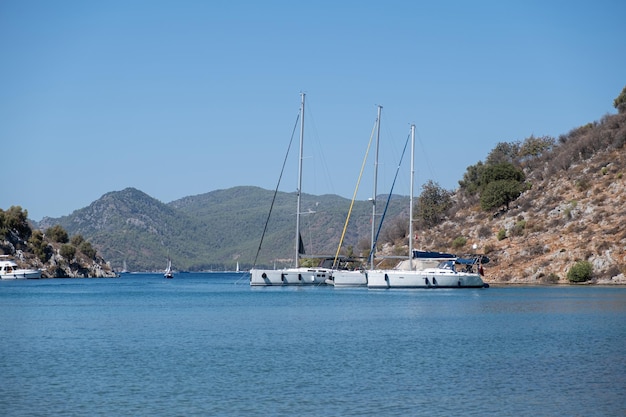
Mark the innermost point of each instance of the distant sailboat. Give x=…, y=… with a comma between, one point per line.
x=168, y=271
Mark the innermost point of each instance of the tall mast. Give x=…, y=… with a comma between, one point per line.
x=373, y=249
x=299, y=191
x=411, y=197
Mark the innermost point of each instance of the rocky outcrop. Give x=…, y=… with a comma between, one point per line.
x=57, y=266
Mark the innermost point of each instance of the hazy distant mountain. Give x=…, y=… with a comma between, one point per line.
x=217, y=229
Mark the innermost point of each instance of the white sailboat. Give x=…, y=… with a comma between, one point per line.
x=168, y=270
x=296, y=275
x=414, y=275
x=358, y=278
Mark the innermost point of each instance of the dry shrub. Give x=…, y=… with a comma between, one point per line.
x=610, y=272
x=484, y=231
x=489, y=248
x=536, y=249
x=600, y=199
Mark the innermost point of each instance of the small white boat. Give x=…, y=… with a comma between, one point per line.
x=10, y=270
x=168, y=271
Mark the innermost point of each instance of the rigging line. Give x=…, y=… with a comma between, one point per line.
x=426, y=157
x=380, y=225
x=318, y=154
x=345, y=227
x=276, y=190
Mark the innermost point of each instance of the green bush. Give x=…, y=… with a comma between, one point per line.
x=14, y=220
x=67, y=251
x=459, y=242
x=57, y=234
x=39, y=246
x=501, y=234
x=433, y=203
x=77, y=240
x=500, y=193
x=518, y=229
x=580, y=272
x=87, y=249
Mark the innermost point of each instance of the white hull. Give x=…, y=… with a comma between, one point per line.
x=289, y=276
x=428, y=278
x=349, y=279
x=22, y=274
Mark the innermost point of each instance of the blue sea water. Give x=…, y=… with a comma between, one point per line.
x=209, y=345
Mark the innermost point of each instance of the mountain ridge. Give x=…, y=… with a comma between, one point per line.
x=223, y=226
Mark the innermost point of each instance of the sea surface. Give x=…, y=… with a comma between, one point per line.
x=209, y=345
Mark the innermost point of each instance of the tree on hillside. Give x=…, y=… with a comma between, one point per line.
x=432, y=204
x=67, y=251
x=77, y=240
x=502, y=171
x=504, y=152
x=39, y=246
x=470, y=183
x=533, y=147
x=620, y=102
x=15, y=221
x=502, y=183
x=57, y=234
x=500, y=193
x=87, y=249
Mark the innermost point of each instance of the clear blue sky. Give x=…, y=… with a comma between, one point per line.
x=178, y=98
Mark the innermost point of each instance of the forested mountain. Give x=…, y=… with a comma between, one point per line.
x=220, y=228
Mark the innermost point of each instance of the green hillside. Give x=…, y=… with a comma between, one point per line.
x=218, y=229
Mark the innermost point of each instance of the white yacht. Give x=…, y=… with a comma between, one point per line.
x=297, y=275
x=449, y=271
x=10, y=270
x=419, y=272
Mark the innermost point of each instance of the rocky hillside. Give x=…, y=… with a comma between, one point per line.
x=59, y=257
x=573, y=210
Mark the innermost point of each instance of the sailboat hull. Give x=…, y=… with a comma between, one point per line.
x=430, y=278
x=349, y=279
x=292, y=276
